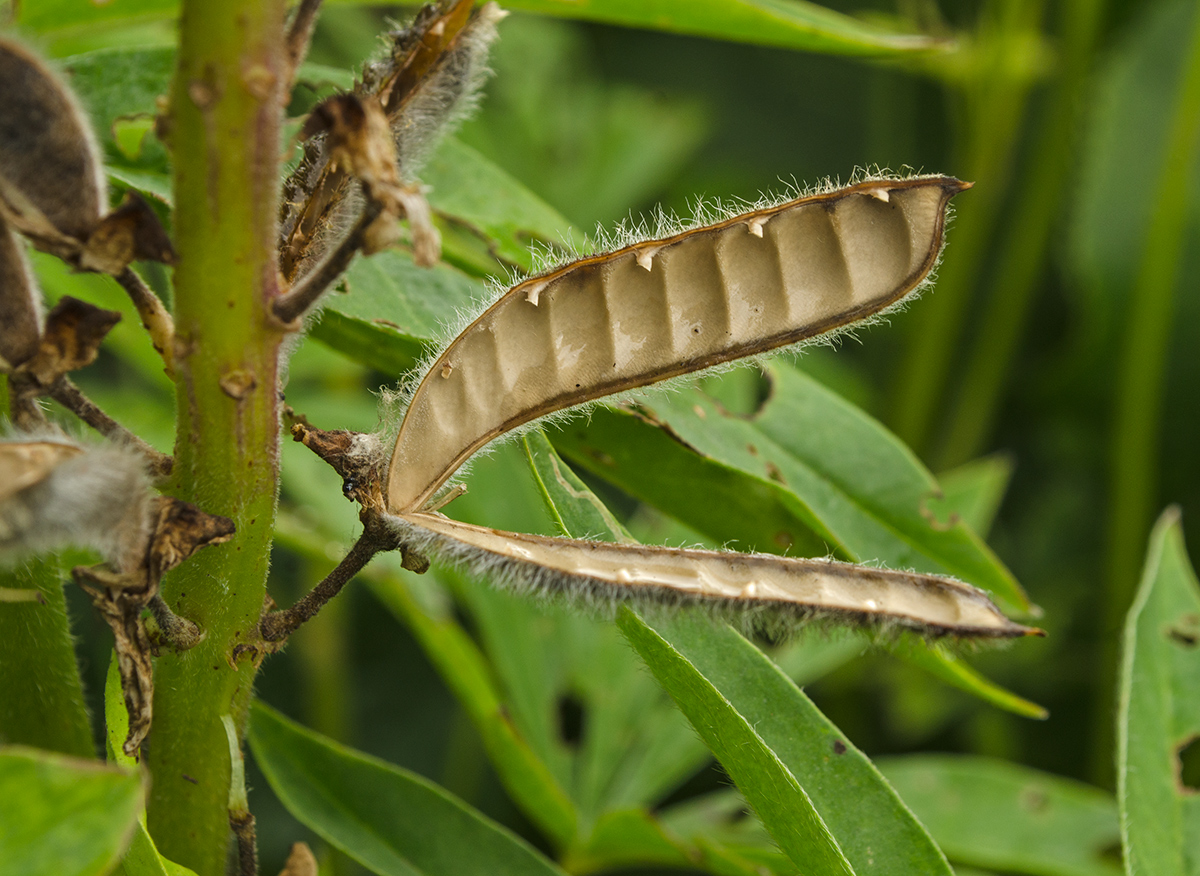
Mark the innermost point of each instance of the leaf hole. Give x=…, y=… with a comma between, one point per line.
x=129, y=133
x=571, y=716
x=1187, y=758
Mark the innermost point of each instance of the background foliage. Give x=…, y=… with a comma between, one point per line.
x=1050, y=379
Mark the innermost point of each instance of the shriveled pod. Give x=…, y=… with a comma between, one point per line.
x=20, y=305
x=25, y=463
x=47, y=152
x=779, y=587
x=661, y=308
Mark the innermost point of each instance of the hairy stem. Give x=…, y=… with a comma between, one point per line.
x=67, y=394
x=299, y=35
x=280, y=624
x=224, y=130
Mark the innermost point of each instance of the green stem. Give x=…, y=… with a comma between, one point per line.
x=224, y=130
x=41, y=690
x=994, y=103
x=1134, y=476
x=1026, y=240
x=41, y=693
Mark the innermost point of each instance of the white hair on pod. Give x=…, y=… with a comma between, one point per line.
x=761, y=592
x=58, y=492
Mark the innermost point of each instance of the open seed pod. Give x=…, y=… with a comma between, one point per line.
x=657, y=309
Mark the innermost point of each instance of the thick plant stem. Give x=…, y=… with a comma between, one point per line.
x=41, y=694
x=224, y=131
x=41, y=691
x=1133, y=462
x=1025, y=241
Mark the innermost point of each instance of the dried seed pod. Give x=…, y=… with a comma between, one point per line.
x=47, y=150
x=770, y=586
x=20, y=303
x=661, y=308
x=96, y=497
x=429, y=82
x=25, y=463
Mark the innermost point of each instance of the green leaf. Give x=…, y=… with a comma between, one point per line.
x=634, y=747
x=721, y=501
x=875, y=830
x=792, y=24
x=388, y=819
x=480, y=198
x=62, y=816
x=124, y=84
x=42, y=701
x=142, y=857
x=53, y=15
x=847, y=476
x=975, y=490
x=1004, y=816
x=951, y=669
x=1159, y=712
x=392, y=309
x=770, y=787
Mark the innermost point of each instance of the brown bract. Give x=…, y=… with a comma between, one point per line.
x=120, y=595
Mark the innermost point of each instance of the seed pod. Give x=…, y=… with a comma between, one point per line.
x=20, y=303
x=662, y=308
x=57, y=493
x=771, y=586
x=47, y=150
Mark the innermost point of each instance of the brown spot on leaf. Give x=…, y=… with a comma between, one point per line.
x=839, y=747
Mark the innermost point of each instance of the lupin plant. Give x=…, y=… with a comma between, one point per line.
x=257, y=242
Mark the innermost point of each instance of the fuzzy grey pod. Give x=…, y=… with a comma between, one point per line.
x=47, y=150
x=20, y=303
x=58, y=493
